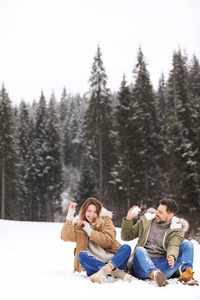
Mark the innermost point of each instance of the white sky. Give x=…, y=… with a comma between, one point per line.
x=50, y=44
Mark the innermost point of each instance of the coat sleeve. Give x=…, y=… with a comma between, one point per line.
x=128, y=231
x=106, y=236
x=175, y=240
x=68, y=232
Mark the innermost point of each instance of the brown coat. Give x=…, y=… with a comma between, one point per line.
x=105, y=237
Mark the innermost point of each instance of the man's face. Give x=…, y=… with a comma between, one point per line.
x=162, y=216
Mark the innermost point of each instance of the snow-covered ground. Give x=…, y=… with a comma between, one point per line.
x=36, y=264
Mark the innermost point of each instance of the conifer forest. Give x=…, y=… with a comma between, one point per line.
x=136, y=145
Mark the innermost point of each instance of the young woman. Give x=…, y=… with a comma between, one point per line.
x=97, y=250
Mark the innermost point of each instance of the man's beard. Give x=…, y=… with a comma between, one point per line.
x=161, y=222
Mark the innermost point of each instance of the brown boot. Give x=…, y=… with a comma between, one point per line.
x=121, y=274
x=187, y=277
x=101, y=275
x=159, y=278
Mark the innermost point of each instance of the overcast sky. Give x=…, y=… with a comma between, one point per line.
x=47, y=45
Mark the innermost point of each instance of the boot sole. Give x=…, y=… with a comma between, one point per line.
x=191, y=282
x=160, y=279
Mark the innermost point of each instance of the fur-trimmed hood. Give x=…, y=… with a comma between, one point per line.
x=176, y=222
x=104, y=213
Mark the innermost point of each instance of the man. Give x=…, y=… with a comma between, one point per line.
x=160, y=249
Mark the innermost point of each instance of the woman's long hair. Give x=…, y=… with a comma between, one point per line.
x=98, y=221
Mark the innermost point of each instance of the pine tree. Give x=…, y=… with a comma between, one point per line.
x=161, y=105
x=149, y=147
x=67, y=147
x=87, y=185
x=54, y=160
x=64, y=107
x=73, y=131
x=181, y=151
x=99, y=126
x=161, y=108
x=125, y=169
x=194, y=96
x=76, y=131
x=8, y=177
x=41, y=138
x=32, y=172
x=23, y=146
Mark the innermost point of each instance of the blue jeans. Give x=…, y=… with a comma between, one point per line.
x=143, y=265
x=92, y=265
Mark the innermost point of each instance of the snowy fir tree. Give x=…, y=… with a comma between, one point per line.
x=67, y=148
x=8, y=178
x=24, y=139
x=63, y=107
x=99, y=126
x=54, y=162
x=42, y=162
x=161, y=108
x=194, y=96
x=148, y=145
x=73, y=131
x=31, y=172
x=124, y=170
x=180, y=144
x=86, y=185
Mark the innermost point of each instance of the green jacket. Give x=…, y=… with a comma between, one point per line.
x=173, y=238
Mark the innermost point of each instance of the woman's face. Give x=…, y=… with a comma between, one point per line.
x=91, y=213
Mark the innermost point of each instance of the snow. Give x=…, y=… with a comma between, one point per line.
x=36, y=264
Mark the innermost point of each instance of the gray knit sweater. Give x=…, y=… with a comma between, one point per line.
x=154, y=244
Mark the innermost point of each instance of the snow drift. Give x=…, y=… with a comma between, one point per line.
x=36, y=264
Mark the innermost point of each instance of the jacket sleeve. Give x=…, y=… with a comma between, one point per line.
x=68, y=232
x=128, y=230
x=106, y=236
x=175, y=240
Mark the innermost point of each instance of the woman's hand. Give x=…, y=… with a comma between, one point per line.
x=86, y=227
x=71, y=211
x=84, y=223
x=73, y=205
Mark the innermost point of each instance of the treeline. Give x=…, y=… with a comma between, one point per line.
x=134, y=146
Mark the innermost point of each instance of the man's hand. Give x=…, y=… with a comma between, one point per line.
x=131, y=215
x=170, y=260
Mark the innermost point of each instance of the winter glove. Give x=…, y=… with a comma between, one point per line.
x=70, y=214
